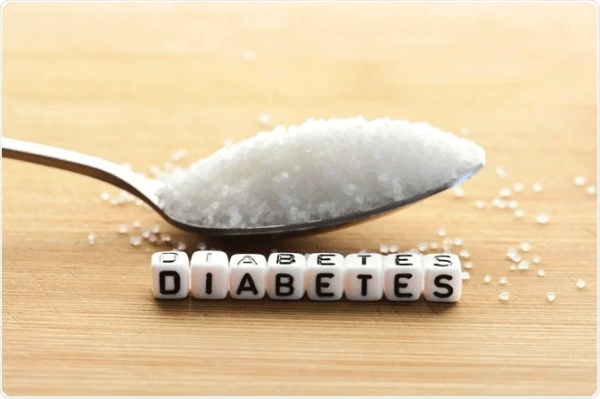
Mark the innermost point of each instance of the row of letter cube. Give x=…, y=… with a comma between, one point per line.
x=323, y=276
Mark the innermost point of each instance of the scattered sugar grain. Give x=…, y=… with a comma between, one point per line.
x=536, y=259
x=518, y=187
x=136, y=224
x=394, y=249
x=542, y=218
x=139, y=202
x=434, y=245
x=135, y=240
x=468, y=265
x=519, y=213
x=416, y=158
x=525, y=246
x=503, y=280
x=249, y=56
x=590, y=190
x=105, y=196
x=551, y=296
x=511, y=253
x=464, y=254
x=487, y=279
x=458, y=192
x=152, y=238
x=155, y=228
x=580, y=284
x=513, y=204
x=422, y=247
x=499, y=203
x=201, y=246
x=384, y=249
x=537, y=187
x=146, y=234
x=180, y=246
x=501, y=172
x=466, y=275
x=541, y=272
x=479, y=204
x=523, y=265
x=123, y=228
x=504, y=193
x=458, y=241
x=91, y=238
x=441, y=232
x=504, y=295
x=165, y=238
x=579, y=180
x=513, y=267
x=265, y=119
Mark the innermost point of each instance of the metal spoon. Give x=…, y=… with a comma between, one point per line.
x=146, y=189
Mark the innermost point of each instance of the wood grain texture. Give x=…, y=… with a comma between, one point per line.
x=134, y=82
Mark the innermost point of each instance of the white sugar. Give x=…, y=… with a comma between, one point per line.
x=579, y=180
x=501, y=172
x=319, y=170
x=580, y=284
x=458, y=192
x=504, y=193
x=525, y=246
x=487, y=279
x=504, y=295
x=590, y=190
x=542, y=218
x=519, y=213
x=541, y=272
x=441, y=232
x=479, y=204
x=466, y=275
x=518, y=187
x=551, y=296
x=537, y=187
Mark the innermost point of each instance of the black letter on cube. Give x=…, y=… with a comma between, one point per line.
x=247, y=279
x=320, y=284
x=363, y=282
x=279, y=284
x=162, y=276
x=438, y=283
x=398, y=285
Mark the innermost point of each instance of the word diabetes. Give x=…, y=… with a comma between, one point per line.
x=322, y=276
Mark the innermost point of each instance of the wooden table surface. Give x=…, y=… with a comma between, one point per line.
x=135, y=82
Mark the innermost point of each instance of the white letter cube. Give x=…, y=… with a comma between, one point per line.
x=443, y=277
x=170, y=274
x=285, y=276
x=324, y=277
x=363, y=277
x=403, y=276
x=247, y=274
x=209, y=273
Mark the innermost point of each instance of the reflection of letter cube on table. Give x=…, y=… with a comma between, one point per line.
x=170, y=274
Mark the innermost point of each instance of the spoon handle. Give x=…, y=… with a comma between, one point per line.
x=95, y=167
